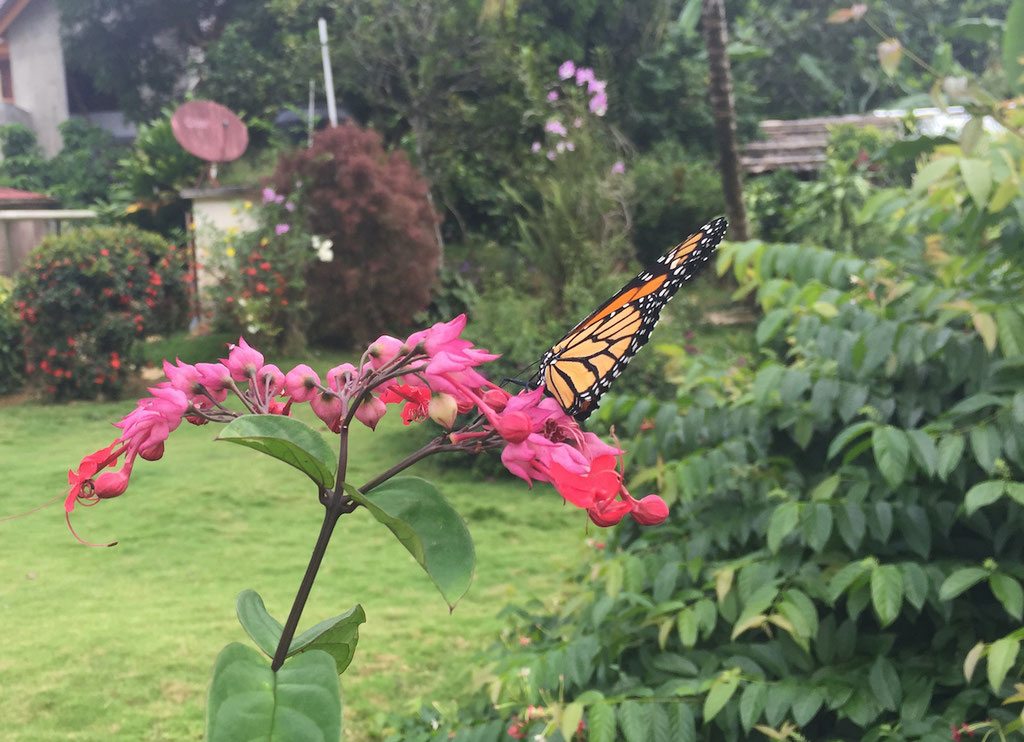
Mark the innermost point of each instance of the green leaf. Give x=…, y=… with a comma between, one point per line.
x=634, y=721
x=978, y=179
x=932, y=172
x=951, y=449
x=1011, y=331
x=825, y=488
x=249, y=701
x=915, y=584
x=1017, y=406
x=916, y=529
x=1008, y=592
x=851, y=524
x=262, y=628
x=572, y=714
x=423, y=521
x=1013, y=46
x=601, y=723
x=1001, y=656
x=885, y=684
x=886, y=592
x=338, y=636
x=719, y=695
x=817, y=525
x=922, y=446
x=873, y=347
x=784, y=519
x=982, y=494
x=286, y=439
x=892, y=453
x=687, y=21
x=766, y=382
x=985, y=445
x=686, y=623
x=961, y=580
x=752, y=705
x=684, y=727
x=845, y=577
x=847, y=435
x=770, y=325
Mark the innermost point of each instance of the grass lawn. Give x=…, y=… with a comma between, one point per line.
x=117, y=644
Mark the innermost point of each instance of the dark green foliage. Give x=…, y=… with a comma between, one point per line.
x=12, y=358
x=844, y=529
x=85, y=297
x=674, y=195
x=77, y=176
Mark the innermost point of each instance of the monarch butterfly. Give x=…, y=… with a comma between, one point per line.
x=581, y=366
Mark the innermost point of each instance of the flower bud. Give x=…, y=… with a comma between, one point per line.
x=514, y=427
x=650, y=511
x=442, y=409
x=370, y=412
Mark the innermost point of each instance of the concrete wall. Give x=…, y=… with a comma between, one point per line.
x=37, y=70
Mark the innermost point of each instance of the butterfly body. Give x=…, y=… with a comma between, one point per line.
x=580, y=367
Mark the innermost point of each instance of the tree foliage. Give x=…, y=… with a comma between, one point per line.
x=373, y=206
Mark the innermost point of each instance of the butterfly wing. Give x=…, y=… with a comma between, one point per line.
x=581, y=366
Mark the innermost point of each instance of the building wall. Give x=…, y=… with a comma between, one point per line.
x=37, y=70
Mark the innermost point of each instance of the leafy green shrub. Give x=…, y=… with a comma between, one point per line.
x=373, y=207
x=23, y=165
x=12, y=359
x=843, y=547
x=84, y=298
x=675, y=193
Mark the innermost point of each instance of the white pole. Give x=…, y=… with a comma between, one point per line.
x=310, y=113
x=332, y=110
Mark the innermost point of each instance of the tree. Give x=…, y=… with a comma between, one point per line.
x=140, y=50
x=723, y=107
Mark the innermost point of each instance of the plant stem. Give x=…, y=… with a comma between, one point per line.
x=435, y=446
x=338, y=504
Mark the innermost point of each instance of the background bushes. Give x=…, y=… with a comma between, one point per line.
x=86, y=296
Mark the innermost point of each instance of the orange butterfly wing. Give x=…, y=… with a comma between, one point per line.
x=580, y=367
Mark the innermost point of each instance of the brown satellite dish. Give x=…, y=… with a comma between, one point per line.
x=209, y=131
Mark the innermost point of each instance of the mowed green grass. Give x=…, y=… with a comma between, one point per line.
x=117, y=644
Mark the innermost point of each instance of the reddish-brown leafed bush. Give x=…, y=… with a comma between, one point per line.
x=373, y=206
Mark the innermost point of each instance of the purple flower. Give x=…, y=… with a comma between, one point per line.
x=599, y=104
x=552, y=96
x=268, y=195
x=596, y=86
x=281, y=228
x=550, y=155
x=290, y=206
x=535, y=147
x=584, y=75
x=555, y=127
x=619, y=168
x=577, y=123
x=570, y=146
x=567, y=70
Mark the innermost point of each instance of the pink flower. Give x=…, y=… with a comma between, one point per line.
x=566, y=70
x=599, y=104
x=301, y=383
x=327, y=406
x=416, y=398
x=243, y=362
x=577, y=123
x=602, y=482
x=595, y=86
x=584, y=75
x=290, y=206
x=281, y=229
x=552, y=96
x=370, y=411
x=383, y=350
x=650, y=511
x=554, y=126
x=215, y=377
x=268, y=195
x=551, y=155
x=270, y=381
x=535, y=147
x=619, y=167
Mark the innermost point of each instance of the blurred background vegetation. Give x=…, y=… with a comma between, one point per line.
x=837, y=418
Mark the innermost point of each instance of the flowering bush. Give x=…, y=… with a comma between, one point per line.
x=576, y=223
x=12, y=360
x=431, y=374
x=261, y=274
x=373, y=207
x=86, y=296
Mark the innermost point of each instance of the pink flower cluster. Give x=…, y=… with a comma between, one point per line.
x=431, y=374
x=585, y=79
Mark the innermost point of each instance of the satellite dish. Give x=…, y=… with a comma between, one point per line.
x=210, y=131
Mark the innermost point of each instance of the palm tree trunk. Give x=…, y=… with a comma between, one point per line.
x=723, y=109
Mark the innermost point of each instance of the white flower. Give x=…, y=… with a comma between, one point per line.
x=324, y=249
